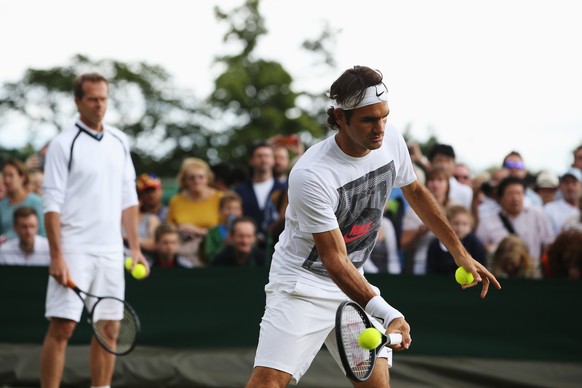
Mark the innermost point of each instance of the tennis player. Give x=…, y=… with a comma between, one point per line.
x=89, y=187
x=337, y=193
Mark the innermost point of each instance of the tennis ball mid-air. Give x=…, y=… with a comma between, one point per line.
x=463, y=277
x=370, y=338
x=139, y=271
x=128, y=263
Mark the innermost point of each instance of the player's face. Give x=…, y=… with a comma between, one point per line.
x=365, y=131
x=93, y=105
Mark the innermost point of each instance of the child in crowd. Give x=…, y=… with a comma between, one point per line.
x=511, y=259
x=167, y=240
x=439, y=260
x=217, y=237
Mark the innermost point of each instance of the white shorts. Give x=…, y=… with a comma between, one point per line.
x=299, y=318
x=101, y=275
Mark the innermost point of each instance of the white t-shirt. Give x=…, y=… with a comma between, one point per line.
x=89, y=180
x=262, y=191
x=11, y=254
x=329, y=189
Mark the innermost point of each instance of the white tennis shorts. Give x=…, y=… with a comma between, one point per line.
x=299, y=318
x=99, y=275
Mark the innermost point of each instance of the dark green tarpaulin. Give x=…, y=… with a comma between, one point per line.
x=214, y=310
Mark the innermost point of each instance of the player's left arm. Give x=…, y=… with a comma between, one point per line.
x=426, y=207
x=129, y=220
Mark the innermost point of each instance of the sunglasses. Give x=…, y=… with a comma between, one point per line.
x=461, y=177
x=514, y=164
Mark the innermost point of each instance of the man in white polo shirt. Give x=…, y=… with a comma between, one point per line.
x=89, y=187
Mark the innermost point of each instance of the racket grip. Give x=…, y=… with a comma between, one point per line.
x=70, y=283
x=394, y=339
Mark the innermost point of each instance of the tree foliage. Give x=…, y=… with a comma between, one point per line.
x=254, y=97
x=253, y=100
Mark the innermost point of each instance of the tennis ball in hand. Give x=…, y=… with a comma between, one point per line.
x=463, y=277
x=128, y=263
x=139, y=271
x=370, y=338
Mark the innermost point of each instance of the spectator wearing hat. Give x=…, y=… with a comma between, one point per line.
x=560, y=210
x=149, y=190
x=547, y=186
x=151, y=193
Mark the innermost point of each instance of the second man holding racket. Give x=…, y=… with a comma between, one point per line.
x=337, y=193
x=89, y=186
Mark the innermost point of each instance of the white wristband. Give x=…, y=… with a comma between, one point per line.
x=379, y=308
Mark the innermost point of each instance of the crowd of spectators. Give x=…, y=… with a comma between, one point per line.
x=516, y=223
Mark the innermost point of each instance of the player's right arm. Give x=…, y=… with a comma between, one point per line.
x=332, y=252
x=58, y=267
x=54, y=187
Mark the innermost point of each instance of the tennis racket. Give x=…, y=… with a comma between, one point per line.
x=115, y=324
x=350, y=321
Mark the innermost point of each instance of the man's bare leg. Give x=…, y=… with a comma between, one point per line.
x=102, y=364
x=52, y=357
x=268, y=378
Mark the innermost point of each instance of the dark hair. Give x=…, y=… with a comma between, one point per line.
x=242, y=219
x=351, y=85
x=20, y=167
x=256, y=145
x=510, y=180
x=511, y=153
x=164, y=229
x=441, y=149
x=23, y=212
x=87, y=77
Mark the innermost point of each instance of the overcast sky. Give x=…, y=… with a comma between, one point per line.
x=486, y=77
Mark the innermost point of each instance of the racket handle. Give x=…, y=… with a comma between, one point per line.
x=71, y=284
x=394, y=339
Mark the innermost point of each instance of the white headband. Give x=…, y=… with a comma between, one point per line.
x=373, y=95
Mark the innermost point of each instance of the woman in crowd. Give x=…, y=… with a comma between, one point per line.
x=15, y=179
x=195, y=208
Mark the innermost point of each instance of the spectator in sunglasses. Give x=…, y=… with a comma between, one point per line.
x=513, y=161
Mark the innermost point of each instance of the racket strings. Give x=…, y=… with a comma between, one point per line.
x=359, y=359
x=115, y=325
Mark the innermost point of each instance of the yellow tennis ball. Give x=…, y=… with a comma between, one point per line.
x=370, y=338
x=462, y=276
x=139, y=271
x=128, y=263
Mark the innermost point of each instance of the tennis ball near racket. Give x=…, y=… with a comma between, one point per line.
x=370, y=338
x=128, y=263
x=462, y=276
x=139, y=271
